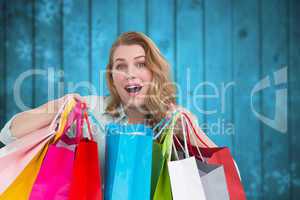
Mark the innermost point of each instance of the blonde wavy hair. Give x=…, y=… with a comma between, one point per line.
x=162, y=91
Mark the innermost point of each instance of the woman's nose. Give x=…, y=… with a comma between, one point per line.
x=130, y=76
x=131, y=72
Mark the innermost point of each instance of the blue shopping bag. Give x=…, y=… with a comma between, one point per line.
x=128, y=162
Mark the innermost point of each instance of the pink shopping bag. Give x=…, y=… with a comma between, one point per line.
x=19, y=153
x=54, y=178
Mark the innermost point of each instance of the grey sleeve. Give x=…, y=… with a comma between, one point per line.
x=6, y=136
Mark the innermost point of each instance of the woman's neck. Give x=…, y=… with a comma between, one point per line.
x=135, y=116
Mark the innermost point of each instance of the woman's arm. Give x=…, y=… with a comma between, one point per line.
x=39, y=117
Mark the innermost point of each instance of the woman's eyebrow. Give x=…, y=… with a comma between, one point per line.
x=139, y=57
x=122, y=59
x=119, y=59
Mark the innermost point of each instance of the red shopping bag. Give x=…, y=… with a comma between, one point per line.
x=220, y=156
x=86, y=180
x=54, y=176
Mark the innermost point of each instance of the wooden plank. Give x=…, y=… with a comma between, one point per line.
x=76, y=47
x=190, y=56
x=132, y=16
x=218, y=72
x=274, y=56
x=161, y=29
x=2, y=63
x=2, y=66
x=246, y=68
x=19, y=57
x=294, y=97
x=47, y=50
x=104, y=33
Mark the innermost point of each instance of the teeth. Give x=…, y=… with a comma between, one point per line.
x=133, y=89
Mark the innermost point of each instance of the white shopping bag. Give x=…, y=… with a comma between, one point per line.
x=184, y=175
x=185, y=180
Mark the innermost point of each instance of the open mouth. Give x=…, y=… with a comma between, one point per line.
x=133, y=89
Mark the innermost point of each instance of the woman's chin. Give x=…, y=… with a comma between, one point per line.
x=135, y=105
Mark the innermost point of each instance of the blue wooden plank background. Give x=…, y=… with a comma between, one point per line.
x=220, y=51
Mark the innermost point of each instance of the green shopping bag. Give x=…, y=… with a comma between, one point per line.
x=157, y=163
x=161, y=155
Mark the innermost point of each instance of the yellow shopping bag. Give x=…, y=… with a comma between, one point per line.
x=21, y=188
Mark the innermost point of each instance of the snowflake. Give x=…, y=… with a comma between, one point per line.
x=49, y=11
x=24, y=49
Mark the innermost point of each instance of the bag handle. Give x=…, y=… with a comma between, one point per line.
x=190, y=148
x=71, y=117
x=184, y=149
x=159, y=124
x=78, y=115
x=186, y=138
x=165, y=122
x=194, y=130
x=86, y=118
x=95, y=121
x=59, y=113
x=64, y=117
x=167, y=137
x=184, y=131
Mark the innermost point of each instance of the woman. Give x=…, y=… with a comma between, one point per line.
x=140, y=88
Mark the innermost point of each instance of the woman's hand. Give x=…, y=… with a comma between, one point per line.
x=34, y=119
x=53, y=106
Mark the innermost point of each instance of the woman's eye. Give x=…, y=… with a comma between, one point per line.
x=140, y=65
x=120, y=67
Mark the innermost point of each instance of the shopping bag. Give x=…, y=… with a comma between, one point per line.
x=54, y=177
x=185, y=180
x=162, y=187
x=157, y=156
x=212, y=178
x=157, y=164
x=98, y=130
x=219, y=156
x=19, y=153
x=184, y=175
x=21, y=187
x=213, y=182
x=128, y=162
x=86, y=178
x=17, y=160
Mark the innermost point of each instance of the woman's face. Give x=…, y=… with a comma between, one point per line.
x=131, y=77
